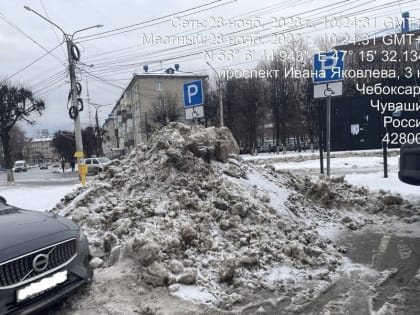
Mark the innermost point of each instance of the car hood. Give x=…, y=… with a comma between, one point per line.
x=22, y=231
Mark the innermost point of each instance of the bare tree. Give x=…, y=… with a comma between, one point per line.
x=16, y=104
x=165, y=109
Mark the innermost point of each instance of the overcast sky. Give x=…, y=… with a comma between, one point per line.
x=115, y=58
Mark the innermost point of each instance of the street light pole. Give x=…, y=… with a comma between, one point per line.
x=74, y=100
x=219, y=86
x=72, y=72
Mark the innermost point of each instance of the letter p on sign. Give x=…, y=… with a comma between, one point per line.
x=193, y=93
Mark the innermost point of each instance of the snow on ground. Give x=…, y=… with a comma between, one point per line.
x=204, y=231
x=312, y=155
x=193, y=293
x=276, y=195
x=354, y=163
x=364, y=171
x=41, y=197
x=376, y=181
x=166, y=224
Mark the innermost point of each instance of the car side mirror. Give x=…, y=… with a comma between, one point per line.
x=3, y=200
x=409, y=164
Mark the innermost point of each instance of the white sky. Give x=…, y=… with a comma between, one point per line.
x=47, y=77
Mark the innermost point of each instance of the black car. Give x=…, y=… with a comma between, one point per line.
x=43, y=258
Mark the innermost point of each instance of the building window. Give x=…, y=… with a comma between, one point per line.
x=158, y=85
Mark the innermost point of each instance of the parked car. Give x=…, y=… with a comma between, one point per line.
x=20, y=166
x=43, y=167
x=96, y=165
x=43, y=259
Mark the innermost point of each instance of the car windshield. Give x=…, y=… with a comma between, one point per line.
x=104, y=160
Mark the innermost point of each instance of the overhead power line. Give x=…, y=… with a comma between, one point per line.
x=53, y=29
x=17, y=28
x=263, y=11
x=33, y=62
x=318, y=21
x=110, y=65
x=140, y=25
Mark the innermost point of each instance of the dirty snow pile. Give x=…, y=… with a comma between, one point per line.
x=336, y=194
x=187, y=211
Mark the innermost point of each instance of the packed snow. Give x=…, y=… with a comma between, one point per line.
x=188, y=218
x=184, y=225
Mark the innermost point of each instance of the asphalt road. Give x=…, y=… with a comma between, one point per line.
x=50, y=176
x=390, y=287
x=382, y=279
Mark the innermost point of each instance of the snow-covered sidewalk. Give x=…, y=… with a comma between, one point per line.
x=366, y=171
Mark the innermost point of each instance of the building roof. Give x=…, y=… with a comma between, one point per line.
x=169, y=72
x=162, y=73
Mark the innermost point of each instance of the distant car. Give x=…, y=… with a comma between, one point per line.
x=43, y=259
x=20, y=166
x=96, y=165
x=43, y=167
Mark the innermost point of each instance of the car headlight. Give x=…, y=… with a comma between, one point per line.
x=82, y=236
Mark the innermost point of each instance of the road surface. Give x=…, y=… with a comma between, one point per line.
x=35, y=176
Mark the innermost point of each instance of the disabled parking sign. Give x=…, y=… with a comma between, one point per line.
x=328, y=66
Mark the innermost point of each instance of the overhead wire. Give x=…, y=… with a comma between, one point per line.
x=189, y=33
x=17, y=28
x=198, y=52
x=130, y=28
x=53, y=28
x=389, y=4
x=58, y=78
x=92, y=35
x=32, y=63
x=354, y=13
x=99, y=79
x=170, y=56
x=232, y=33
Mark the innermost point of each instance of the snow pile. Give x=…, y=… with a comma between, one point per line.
x=336, y=193
x=185, y=210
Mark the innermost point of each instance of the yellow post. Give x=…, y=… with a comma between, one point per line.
x=82, y=168
x=82, y=172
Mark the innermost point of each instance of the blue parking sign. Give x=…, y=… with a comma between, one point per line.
x=328, y=66
x=193, y=93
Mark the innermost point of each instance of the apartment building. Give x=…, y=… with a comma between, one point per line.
x=40, y=150
x=134, y=116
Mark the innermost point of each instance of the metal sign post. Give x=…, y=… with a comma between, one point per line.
x=328, y=69
x=328, y=93
x=321, y=140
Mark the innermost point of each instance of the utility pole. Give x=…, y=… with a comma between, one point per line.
x=219, y=87
x=74, y=99
x=74, y=93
